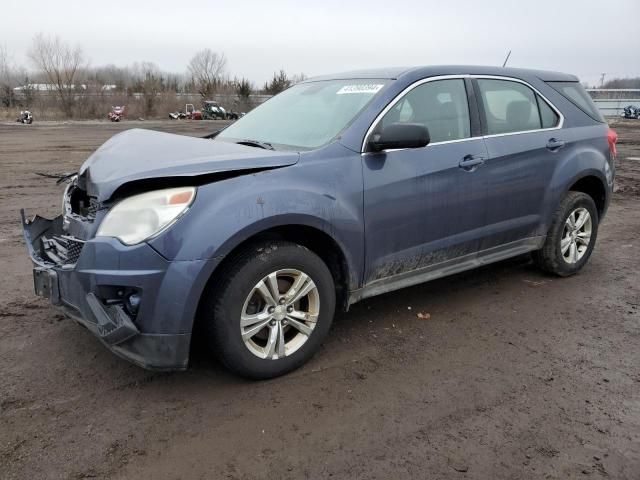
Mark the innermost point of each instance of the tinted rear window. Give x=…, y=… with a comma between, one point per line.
x=576, y=94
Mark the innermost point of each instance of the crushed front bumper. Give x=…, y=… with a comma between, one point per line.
x=95, y=287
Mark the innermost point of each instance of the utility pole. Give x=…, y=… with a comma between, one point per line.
x=602, y=80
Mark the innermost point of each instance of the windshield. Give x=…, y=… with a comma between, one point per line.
x=305, y=116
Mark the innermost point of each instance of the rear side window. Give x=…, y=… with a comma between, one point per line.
x=548, y=116
x=514, y=107
x=576, y=94
x=440, y=105
x=508, y=106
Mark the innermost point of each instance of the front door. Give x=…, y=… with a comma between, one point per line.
x=425, y=206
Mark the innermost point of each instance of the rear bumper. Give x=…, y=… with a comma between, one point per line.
x=98, y=292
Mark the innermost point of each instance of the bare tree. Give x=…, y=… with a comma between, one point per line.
x=206, y=69
x=6, y=74
x=633, y=82
x=300, y=77
x=60, y=64
x=150, y=82
x=10, y=76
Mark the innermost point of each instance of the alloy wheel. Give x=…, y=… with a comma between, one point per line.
x=279, y=314
x=576, y=235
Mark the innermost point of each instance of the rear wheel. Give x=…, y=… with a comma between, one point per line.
x=571, y=237
x=272, y=309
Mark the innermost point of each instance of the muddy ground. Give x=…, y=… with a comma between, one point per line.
x=516, y=374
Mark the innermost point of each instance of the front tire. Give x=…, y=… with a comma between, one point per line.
x=571, y=237
x=271, y=310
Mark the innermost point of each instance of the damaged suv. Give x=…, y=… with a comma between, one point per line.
x=337, y=189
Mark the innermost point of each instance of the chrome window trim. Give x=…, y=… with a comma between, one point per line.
x=417, y=83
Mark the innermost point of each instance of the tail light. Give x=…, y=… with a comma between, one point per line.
x=612, y=138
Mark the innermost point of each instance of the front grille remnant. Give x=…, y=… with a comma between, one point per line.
x=93, y=207
x=77, y=202
x=62, y=249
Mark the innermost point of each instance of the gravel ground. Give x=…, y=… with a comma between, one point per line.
x=515, y=374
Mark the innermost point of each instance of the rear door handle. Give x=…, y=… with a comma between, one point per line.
x=554, y=144
x=470, y=162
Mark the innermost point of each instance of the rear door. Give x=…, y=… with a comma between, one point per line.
x=524, y=140
x=426, y=205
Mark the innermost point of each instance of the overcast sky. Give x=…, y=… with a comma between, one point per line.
x=584, y=37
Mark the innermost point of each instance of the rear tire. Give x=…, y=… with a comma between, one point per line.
x=571, y=237
x=269, y=309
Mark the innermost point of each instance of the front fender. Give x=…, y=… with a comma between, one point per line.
x=325, y=194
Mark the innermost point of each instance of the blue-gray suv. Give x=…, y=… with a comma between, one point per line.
x=340, y=188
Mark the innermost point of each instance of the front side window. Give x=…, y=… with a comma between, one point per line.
x=440, y=105
x=305, y=116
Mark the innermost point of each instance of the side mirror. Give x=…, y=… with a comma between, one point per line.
x=400, y=135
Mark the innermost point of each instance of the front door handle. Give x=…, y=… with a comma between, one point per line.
x=554, y=144
x=470, y=162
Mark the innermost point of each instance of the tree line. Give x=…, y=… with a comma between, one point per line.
x=75, y=85
x=622, y=83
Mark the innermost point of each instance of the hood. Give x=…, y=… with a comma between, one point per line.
x=138, y=154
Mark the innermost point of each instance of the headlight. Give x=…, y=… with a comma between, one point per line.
x=139, y=217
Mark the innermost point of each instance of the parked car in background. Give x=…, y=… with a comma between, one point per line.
x=179, y=115
x=231, y=115
x=210, y=111
x=117, y=113
x=338, y=189
x=631, y=111
x=213, y=111
x=192, y=113
x=26, y=117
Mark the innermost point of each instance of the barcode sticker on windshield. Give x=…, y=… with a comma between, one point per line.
x=360, y=88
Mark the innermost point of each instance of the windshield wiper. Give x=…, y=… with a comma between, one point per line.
x=256, y=143
x=212, y=135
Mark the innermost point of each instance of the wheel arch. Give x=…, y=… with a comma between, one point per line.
x=595, y=187
x=310, y=236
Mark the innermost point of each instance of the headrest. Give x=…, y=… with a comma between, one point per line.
x=519, y=114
